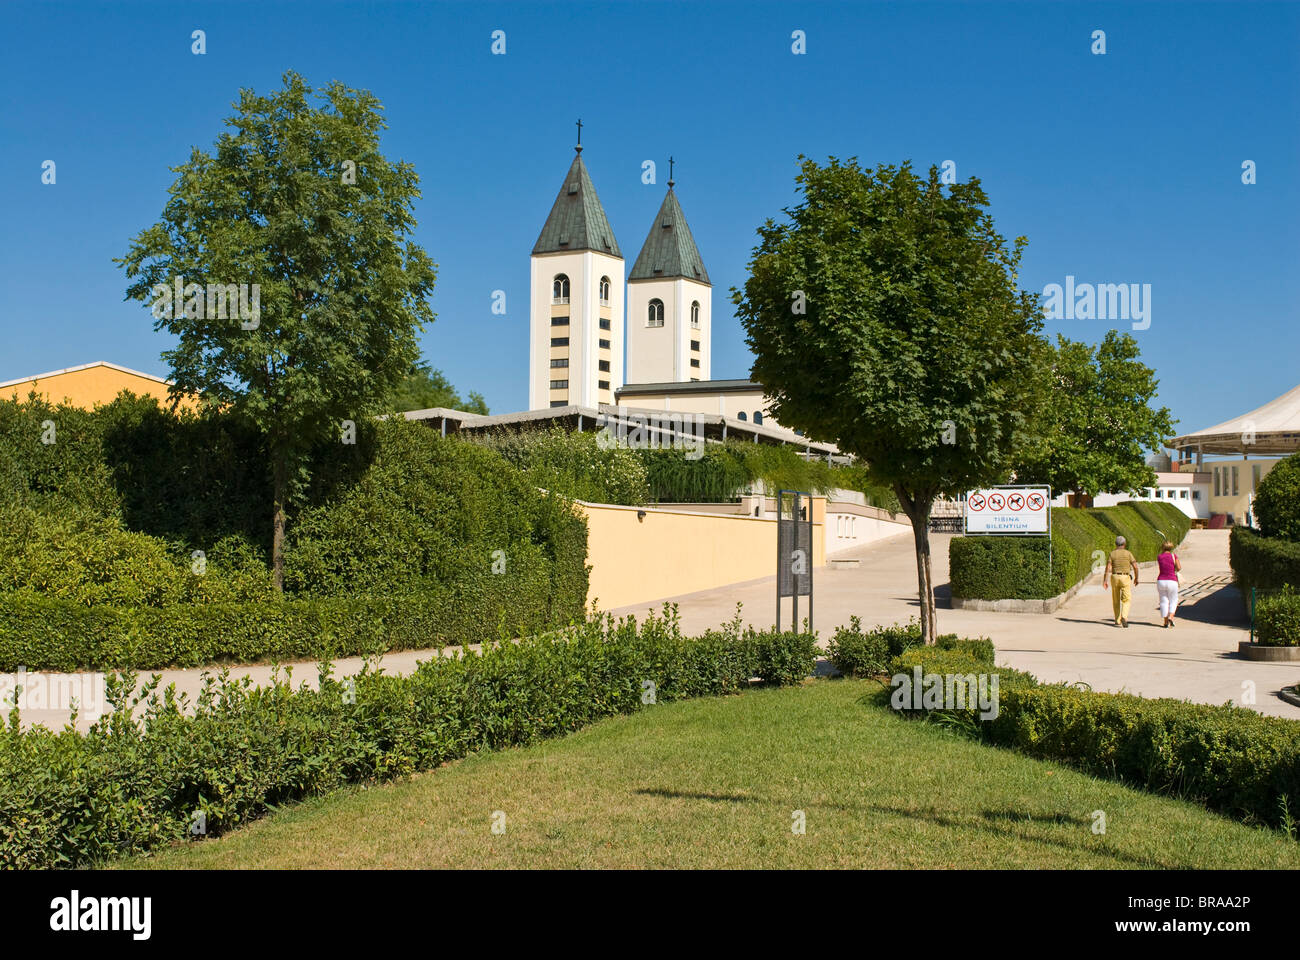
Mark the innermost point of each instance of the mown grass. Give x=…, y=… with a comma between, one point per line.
x=716, y=782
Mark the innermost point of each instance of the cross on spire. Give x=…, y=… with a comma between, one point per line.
x=670, y=171
x=580, y=134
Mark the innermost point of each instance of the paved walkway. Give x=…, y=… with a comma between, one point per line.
x=1197, y=660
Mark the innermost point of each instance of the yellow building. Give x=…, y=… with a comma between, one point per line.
x=90, y=384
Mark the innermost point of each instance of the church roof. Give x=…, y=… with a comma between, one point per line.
x=669, y=250
x=577, y=220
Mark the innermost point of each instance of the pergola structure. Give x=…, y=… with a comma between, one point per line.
x=1270, y=430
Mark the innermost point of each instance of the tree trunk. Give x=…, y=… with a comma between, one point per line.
x=280, y=483
x=918, y=511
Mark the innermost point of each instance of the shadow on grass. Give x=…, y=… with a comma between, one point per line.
x=691, y=795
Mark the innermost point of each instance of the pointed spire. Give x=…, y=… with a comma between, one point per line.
x=577, y=220
x=669, y=249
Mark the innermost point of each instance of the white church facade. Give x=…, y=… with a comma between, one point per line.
x=582, y=304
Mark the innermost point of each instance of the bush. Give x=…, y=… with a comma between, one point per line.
x=785, y=657
x=1230, y=759
x=1277, y=618
x=574, y=465
x=70, y=799
x=1277, y=501
x=1165, y=518
x=861, y=654
x=1015, y=568
x=1262, y=563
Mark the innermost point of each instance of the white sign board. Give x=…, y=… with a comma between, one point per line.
x=1020, y=510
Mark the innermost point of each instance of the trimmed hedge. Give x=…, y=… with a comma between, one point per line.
x=69, y=799
x=1015, y=568
x=1277, y=501
x=872, y=653
x=1262, y=562
x=1277, y=618
x=1230, y=759
x=1163, y=517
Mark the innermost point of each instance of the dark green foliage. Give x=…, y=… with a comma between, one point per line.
x=1168, y=521
x=425, y=388
x=70, y=799
x=1015, y=568
x=1277, y=618
x=1277, y=501
x=856, y=653
x=1262, y=563
x=1230, y=759
x=573, y=464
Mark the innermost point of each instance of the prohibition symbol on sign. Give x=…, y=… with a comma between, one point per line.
x=1015, y=502
x=1036, y=501
x=975, y=501
x=995, y=501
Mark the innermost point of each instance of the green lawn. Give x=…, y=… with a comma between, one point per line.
x=714, y=783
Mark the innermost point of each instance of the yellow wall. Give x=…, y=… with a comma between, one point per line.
x=1227, y=502
x=669, y=553
x=90, y=386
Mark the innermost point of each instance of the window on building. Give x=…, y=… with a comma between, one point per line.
x=604, y=323
x=1196, y=494
x=1254, y=476
x=562, y=362
x=695, y=345
x=695, y=361
x=1235, y=491
x=695, y=313
x=1217, y=488
x=604, y=366
x=758, y=416
x=604, y=291
x=655, y=313
x=559, y=321
x=604, y=344
x=1182, y=494
x=559, y=403
x=560, y=289
x=603, y=384
x=695, y=379
x=559, y=384
x=741, y=416
x=559, y=341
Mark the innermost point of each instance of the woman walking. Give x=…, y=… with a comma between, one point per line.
x=1167, y=582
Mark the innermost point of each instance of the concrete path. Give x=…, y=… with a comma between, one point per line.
x=1197, y=660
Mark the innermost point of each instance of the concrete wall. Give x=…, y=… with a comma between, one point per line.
x=671, y=552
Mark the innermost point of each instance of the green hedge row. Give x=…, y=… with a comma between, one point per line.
x=1231, y=760
x=862, y=654
x=1277, y=618
x=1016, y=568
x=1265, y=563
x=44, y=634
x=69, y=799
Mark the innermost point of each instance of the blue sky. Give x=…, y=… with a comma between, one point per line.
x=1122, y=168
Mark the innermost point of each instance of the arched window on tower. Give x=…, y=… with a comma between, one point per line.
x=695, y=313
x=758, y=416
x=741, y=416
x=604, y=291
x=655, y=313
x=560, y=289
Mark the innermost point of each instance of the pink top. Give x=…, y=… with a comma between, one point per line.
x=1166, y=563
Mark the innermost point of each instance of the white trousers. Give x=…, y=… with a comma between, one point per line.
x=1168, y=591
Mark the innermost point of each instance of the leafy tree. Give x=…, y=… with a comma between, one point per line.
x=296, y=198
x=425, y=387
x=1277, y=501
x=1098, y=423
x=885, y=318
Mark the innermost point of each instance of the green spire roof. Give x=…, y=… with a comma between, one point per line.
x=669, y=250
x=577, y=220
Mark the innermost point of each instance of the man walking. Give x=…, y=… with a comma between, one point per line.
x=1122, y=571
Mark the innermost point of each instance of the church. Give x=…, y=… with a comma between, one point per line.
x=584, y=310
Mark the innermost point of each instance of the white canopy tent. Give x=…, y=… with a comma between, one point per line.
x=1270, y=430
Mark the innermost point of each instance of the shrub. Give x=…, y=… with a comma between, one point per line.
x=69, y=799
x=1277, y=501
x=1277, y=618
x=574, y=465
x=784, y=657
x=1165, y=518
x=866, y=654
x=1231, y=759
x=1015, y=568
x=1262, y=563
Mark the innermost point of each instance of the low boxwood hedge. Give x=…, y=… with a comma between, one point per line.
x=126, y=786
x=1277, y=618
